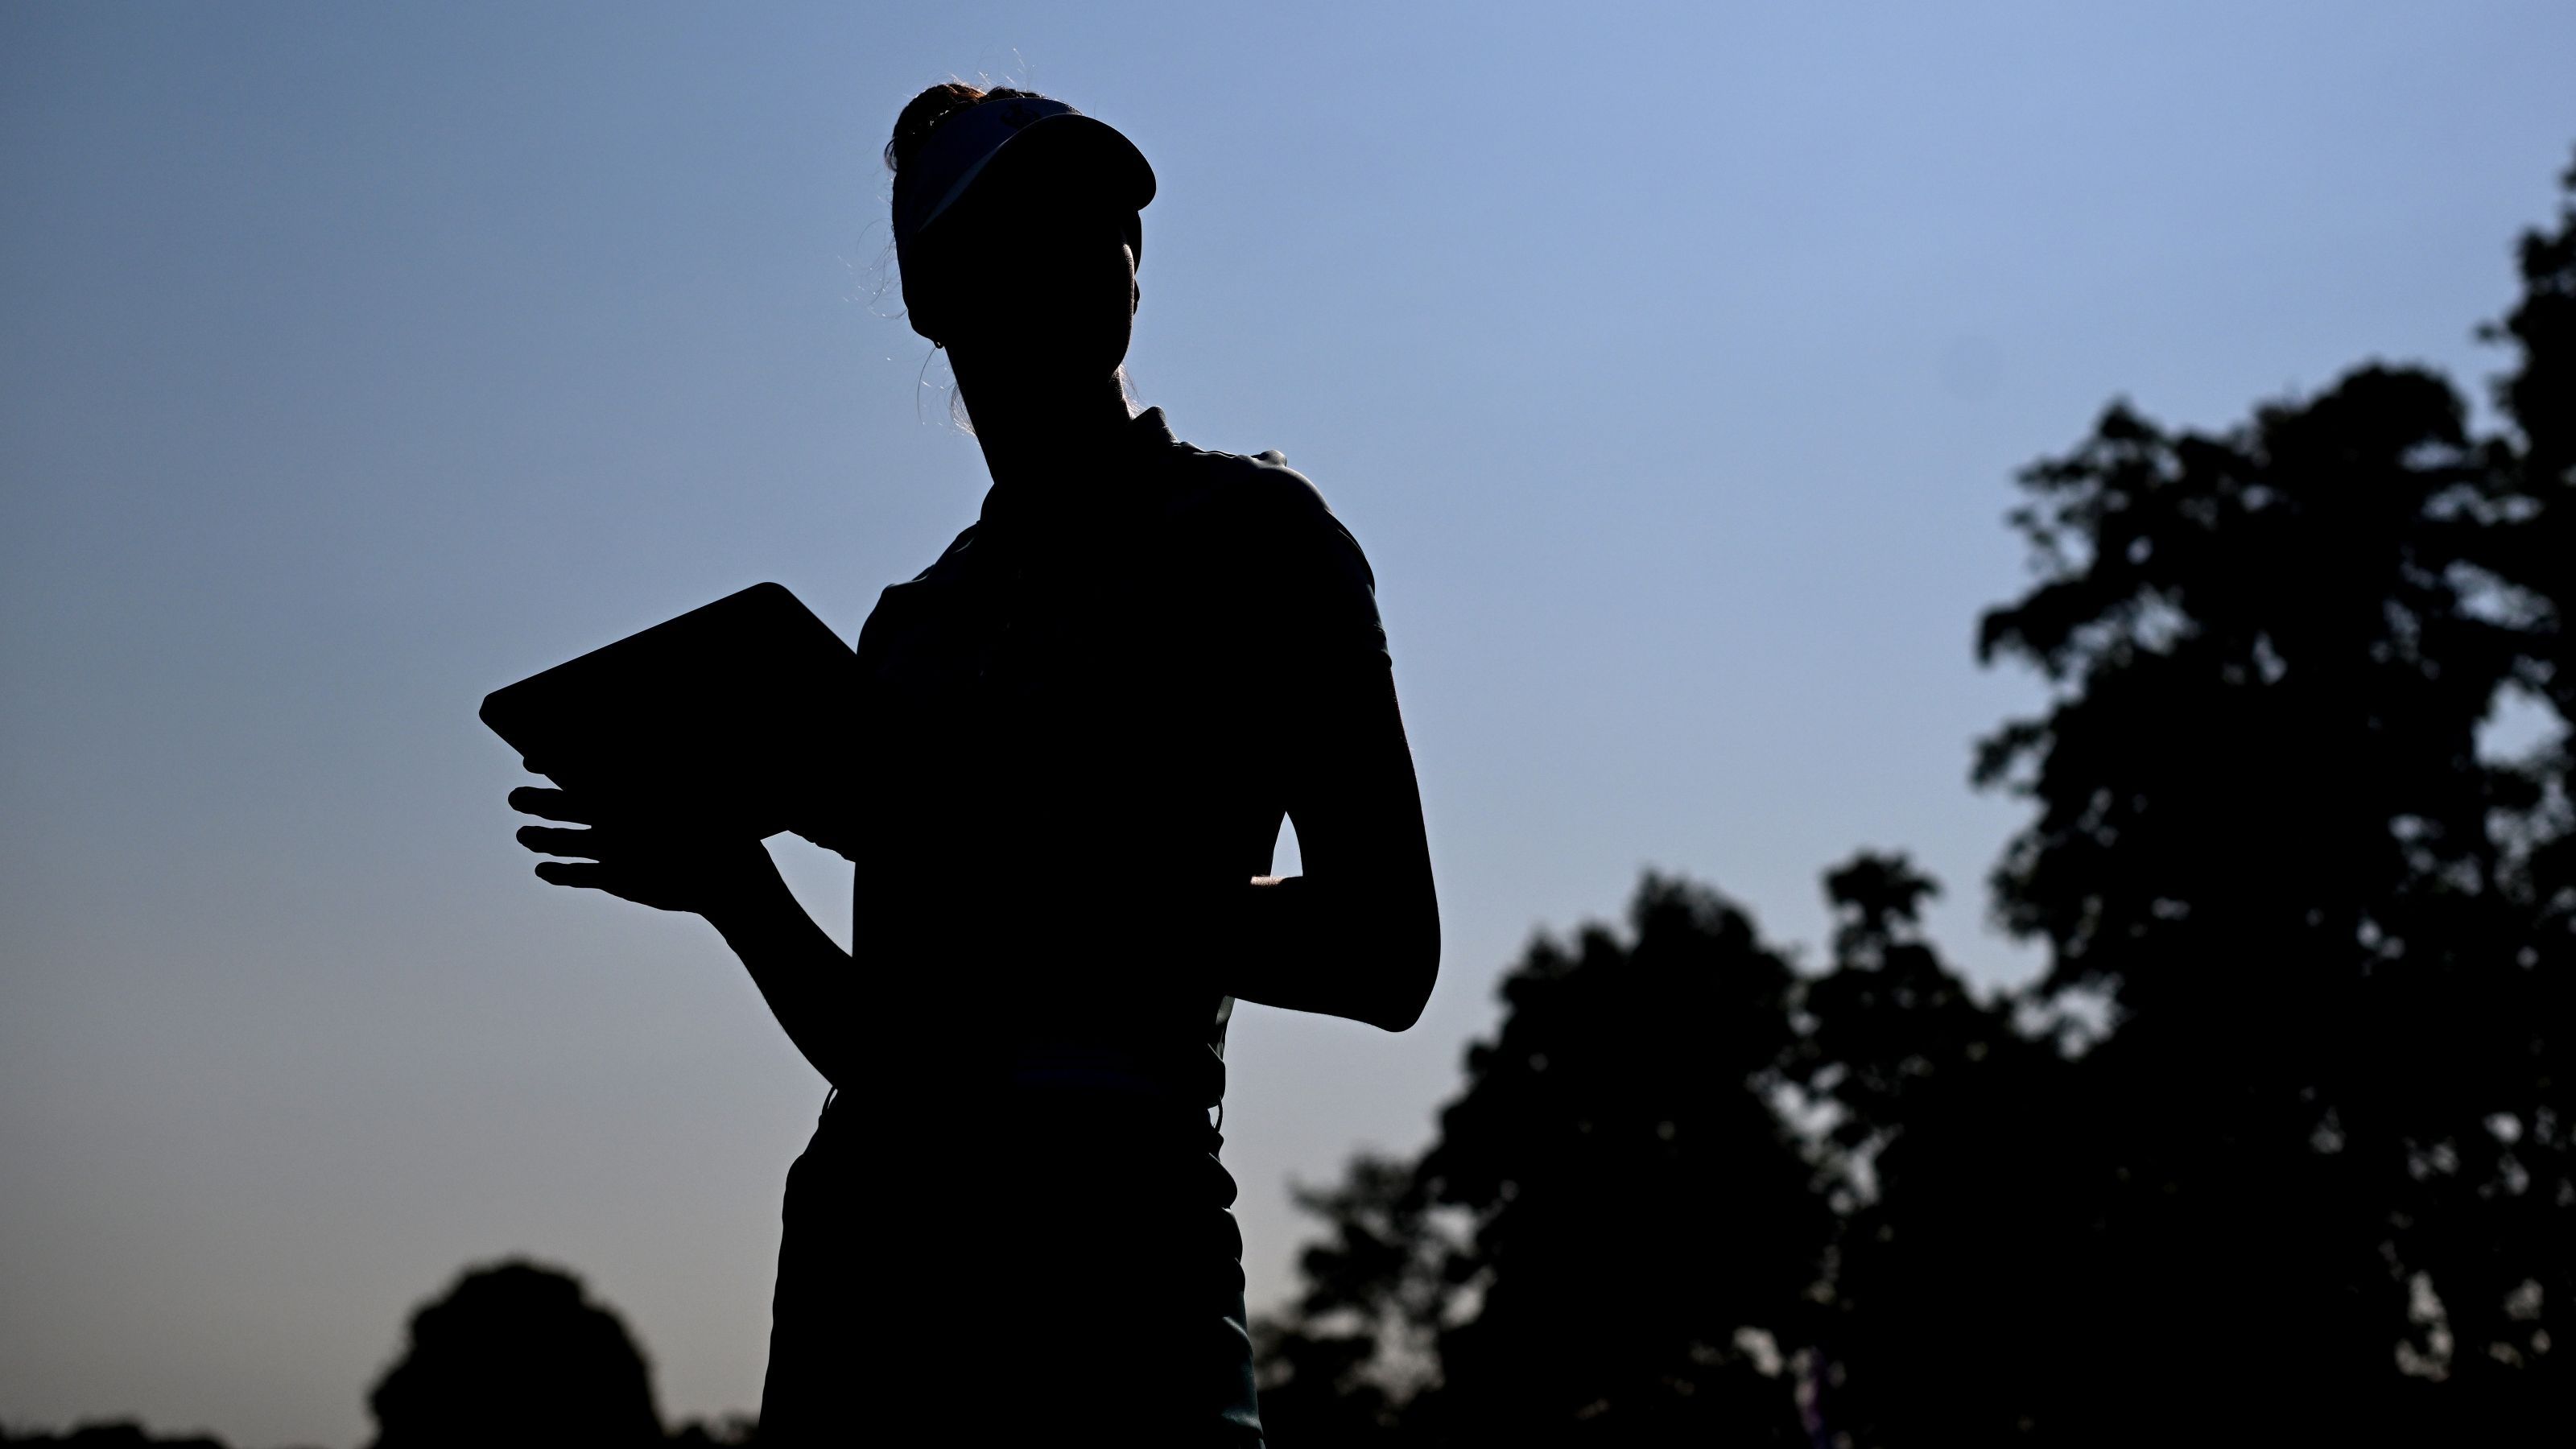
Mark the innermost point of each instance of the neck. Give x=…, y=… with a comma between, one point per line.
x=1030, y=428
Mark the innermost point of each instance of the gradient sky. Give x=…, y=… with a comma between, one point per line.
x=1671, y=364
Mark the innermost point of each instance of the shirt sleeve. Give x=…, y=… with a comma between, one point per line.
x=1326, y=617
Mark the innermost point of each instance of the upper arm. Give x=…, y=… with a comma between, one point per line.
x=1354, y=797
x=1348, y=768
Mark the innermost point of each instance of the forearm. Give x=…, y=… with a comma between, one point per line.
x=1306, y=944
x=1358, y=935
x=805, y=977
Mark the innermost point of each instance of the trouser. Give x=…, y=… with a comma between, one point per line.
x=1063, y=1268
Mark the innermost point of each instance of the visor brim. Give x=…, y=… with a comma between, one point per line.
x=1077, y=150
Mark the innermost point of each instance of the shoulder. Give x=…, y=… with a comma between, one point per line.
x=959, y=564
x=1271, y=524
x=957, y=560
x=1268, y=507
x=906, y=608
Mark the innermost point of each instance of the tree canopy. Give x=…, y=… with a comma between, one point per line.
x=516, y=1353
x=2279, y=1143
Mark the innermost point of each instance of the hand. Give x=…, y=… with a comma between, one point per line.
x=665, y=870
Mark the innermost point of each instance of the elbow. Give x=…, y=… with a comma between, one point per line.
x=1400, y=1015
x=1409, y=973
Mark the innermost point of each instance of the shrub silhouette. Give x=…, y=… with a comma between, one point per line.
x=516, y=1354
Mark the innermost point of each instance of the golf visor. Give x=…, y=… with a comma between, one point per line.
x=1036, y=130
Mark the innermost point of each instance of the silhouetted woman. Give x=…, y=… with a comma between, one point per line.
x=1080, y=731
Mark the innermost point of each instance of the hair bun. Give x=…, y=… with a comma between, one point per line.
x=923, y=113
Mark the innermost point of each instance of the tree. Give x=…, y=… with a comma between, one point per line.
x=2311, y=1173
x=1963, y=1181
x=1360, y=1345
x=2334, y=935
x=516, y=1354
x=1613, y=1231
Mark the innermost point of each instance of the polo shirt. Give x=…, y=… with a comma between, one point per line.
x=1078, y=731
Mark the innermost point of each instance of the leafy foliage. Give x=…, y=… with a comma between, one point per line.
x=1570, y=1254
x=2313, y=1177
x=516, y=1353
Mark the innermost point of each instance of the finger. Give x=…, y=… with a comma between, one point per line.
x=564, y=873
x=548, y=804
x=546, y=840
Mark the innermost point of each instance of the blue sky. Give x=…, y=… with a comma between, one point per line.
x=1672, y=364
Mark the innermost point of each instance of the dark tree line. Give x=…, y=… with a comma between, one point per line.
x=513, y=1354
x=2278, y=1147
x=108, y=1434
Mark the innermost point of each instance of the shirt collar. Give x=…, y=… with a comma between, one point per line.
x=1147, y=430
x=1065, y=498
